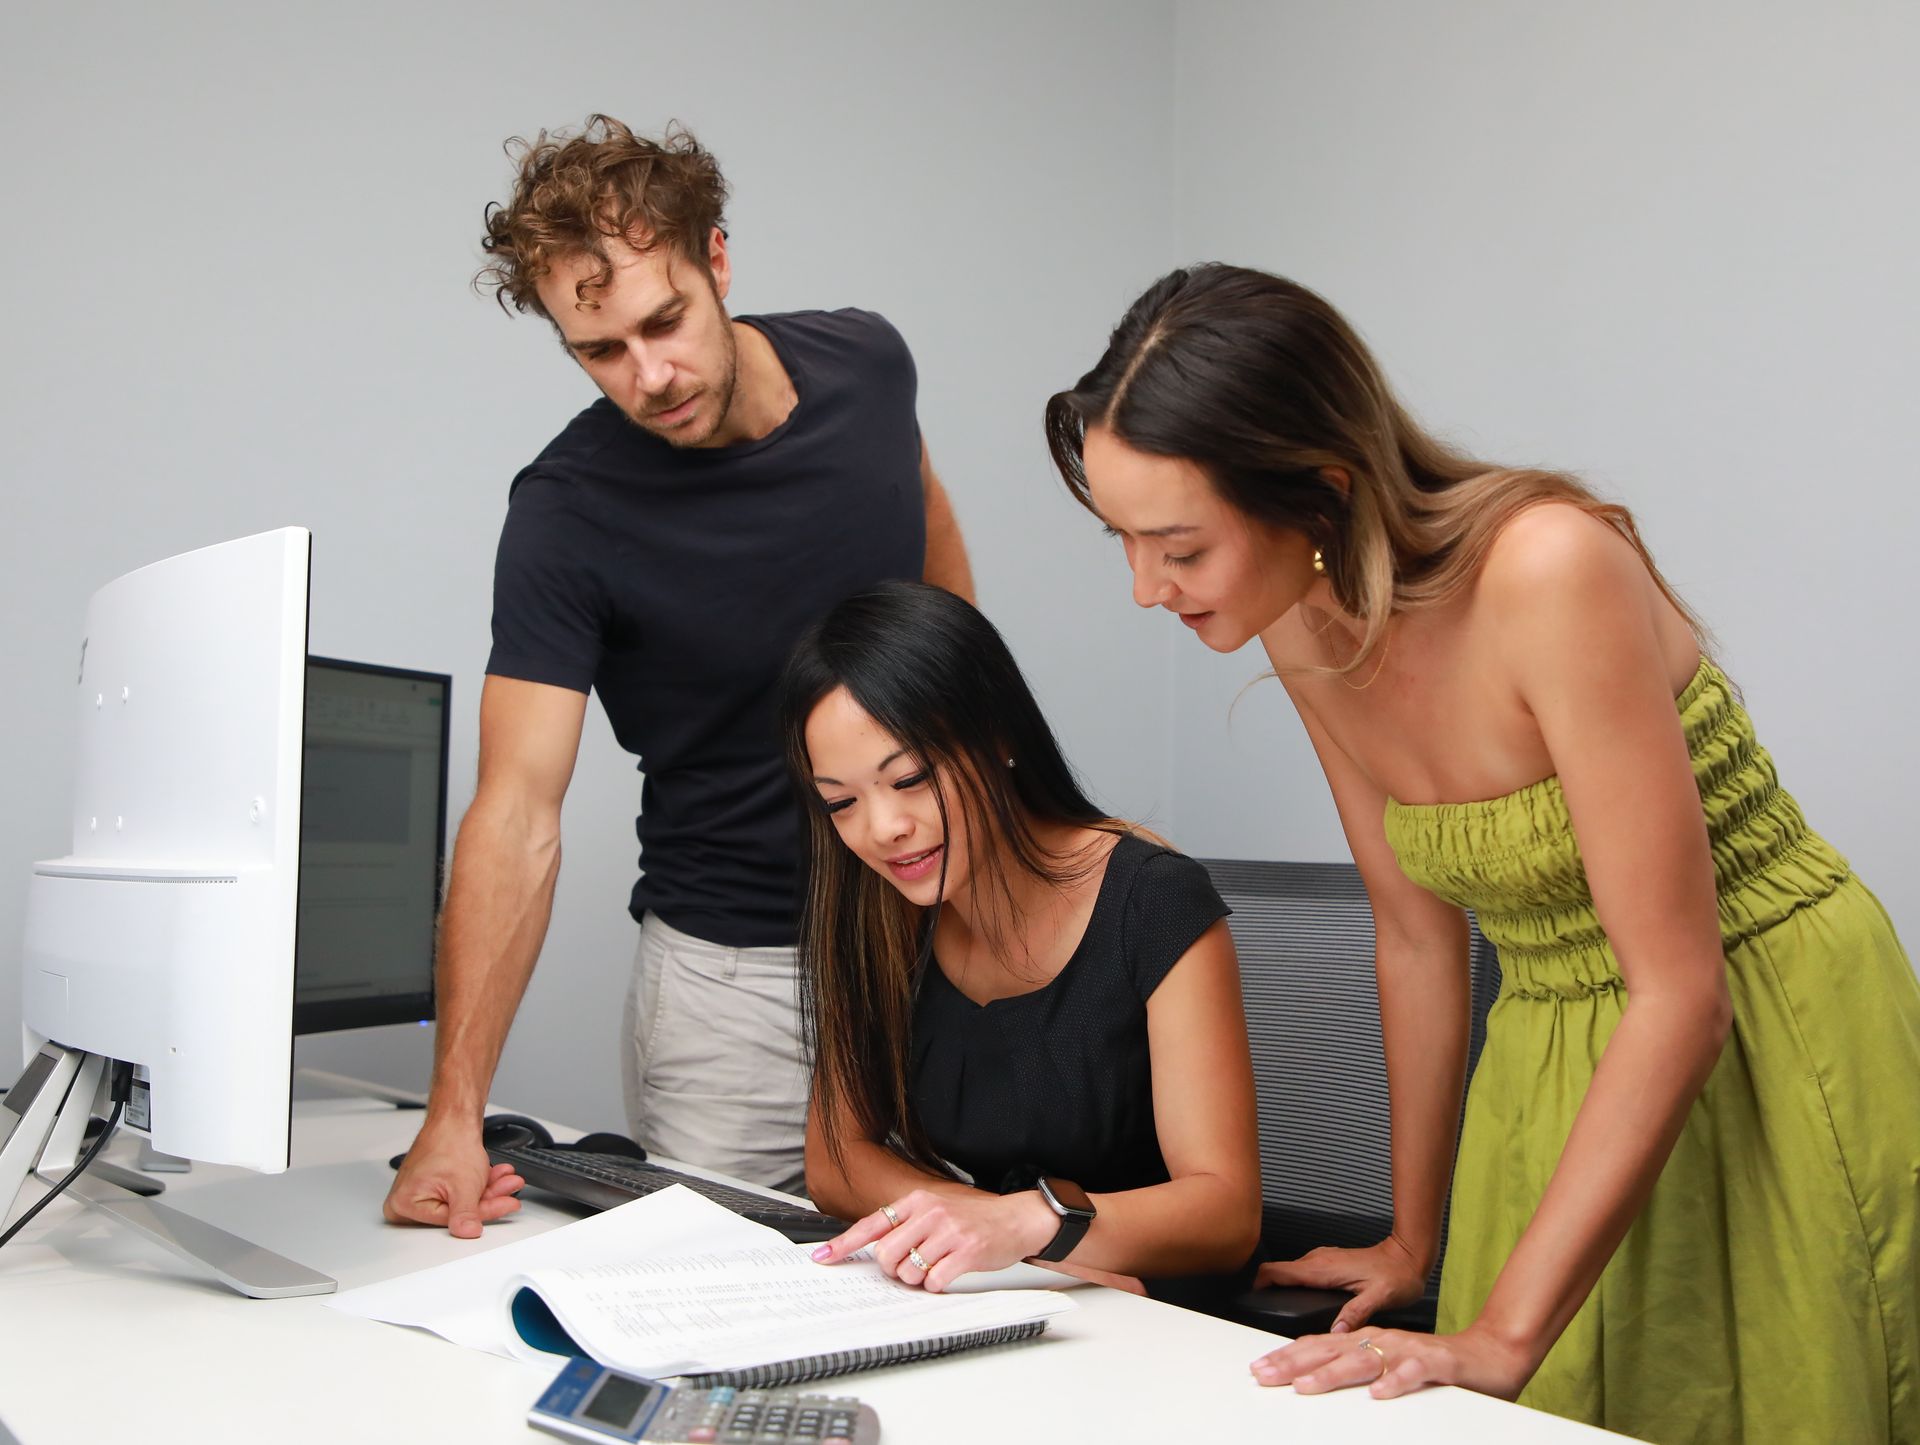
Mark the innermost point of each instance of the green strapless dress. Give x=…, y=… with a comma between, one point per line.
x=1770, y=1291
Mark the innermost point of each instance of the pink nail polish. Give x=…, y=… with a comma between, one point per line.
x=823, y=1251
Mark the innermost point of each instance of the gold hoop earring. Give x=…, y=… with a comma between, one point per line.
x=1319, y=563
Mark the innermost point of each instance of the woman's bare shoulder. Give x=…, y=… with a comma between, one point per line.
x=1552, y=549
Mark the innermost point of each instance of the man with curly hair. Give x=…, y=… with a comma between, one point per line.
x=738, y=476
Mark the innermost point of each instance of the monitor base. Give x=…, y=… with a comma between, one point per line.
x=50, y=1105
x=242, y=1267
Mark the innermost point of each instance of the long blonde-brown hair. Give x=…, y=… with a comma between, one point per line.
x=1265, y=386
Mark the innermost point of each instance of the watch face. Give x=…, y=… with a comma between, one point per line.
x=1069, y=1197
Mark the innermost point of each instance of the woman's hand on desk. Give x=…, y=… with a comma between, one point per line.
x=446, y=1180
x=1378, y=1277
x=1394, y=1362
x=932, y=1239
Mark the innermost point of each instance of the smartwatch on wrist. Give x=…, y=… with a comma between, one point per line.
x=1076, y=1211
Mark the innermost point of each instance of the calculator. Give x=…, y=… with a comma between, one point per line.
x=587, y=1401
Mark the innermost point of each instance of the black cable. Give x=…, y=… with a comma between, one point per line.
x=122, y=1086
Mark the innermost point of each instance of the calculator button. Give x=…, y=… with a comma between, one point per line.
x=702, y=1435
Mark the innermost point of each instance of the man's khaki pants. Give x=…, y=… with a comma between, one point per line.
x=711, y=1060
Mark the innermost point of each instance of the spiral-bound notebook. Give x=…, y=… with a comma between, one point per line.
x=758, y=1317
x=818, y=1367
x=672, y=1284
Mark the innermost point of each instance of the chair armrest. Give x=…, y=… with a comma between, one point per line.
x=1292, y=1311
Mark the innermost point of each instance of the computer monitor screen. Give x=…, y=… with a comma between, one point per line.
x=373, y=822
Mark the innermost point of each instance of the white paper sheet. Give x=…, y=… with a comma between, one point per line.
x=464, y=1300
x=461, y=1300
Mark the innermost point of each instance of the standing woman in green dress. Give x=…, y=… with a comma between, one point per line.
x=1685, y=1199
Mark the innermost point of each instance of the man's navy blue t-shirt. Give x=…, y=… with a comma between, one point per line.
x=674, y=582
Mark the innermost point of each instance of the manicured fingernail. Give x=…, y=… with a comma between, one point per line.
x=1340, y=1327
x=823, y=1251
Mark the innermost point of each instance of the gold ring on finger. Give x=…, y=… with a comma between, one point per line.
x=918, y=1262
x=893, y=1216
x=1370, y=1345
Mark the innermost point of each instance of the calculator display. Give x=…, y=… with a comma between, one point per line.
x=618, y=1400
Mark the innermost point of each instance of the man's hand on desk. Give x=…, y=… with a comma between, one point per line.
x=446, y=1180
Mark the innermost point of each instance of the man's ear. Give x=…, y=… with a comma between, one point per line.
x=719, y=265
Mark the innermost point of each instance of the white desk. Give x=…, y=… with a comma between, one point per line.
x=103, y=1334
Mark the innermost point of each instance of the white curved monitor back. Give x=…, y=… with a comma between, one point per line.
x=166, y=938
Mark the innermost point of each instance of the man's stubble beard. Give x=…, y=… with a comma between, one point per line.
x=724, y=393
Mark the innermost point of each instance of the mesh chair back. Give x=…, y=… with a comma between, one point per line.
x=1304, y=933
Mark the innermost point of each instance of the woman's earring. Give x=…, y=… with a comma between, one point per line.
x=1319, y=563
x=1009, y=762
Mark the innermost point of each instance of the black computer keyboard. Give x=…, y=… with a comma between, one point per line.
x=601, y=1181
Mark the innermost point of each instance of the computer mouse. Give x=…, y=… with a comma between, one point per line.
x=604, y=1142
x=502, y=1130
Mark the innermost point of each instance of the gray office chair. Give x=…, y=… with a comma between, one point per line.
x=1304, y=934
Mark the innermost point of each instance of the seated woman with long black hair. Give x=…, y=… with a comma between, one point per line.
x=998, y=979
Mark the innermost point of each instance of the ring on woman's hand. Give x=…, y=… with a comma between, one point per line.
x=892, y=1217
x=1370, y=1345
x=919, y=1263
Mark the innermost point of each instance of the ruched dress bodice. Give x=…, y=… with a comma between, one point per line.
x=1514, y=861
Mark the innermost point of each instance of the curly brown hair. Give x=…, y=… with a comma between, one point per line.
x=574, y=192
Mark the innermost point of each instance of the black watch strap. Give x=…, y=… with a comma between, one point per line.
x=1076, y=1212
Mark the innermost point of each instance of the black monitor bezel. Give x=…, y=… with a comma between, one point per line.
x=333, y=1015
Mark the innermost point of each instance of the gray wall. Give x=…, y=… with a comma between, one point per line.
x=1668, y=246
x=1671, y=247
x=238, y=249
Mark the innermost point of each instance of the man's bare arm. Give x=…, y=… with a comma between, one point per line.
x=946, y=564
x=499, y=900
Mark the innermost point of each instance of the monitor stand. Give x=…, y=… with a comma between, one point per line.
x=47, y=1109
x=152, y=1161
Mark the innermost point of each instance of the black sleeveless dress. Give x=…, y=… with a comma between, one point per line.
x=1059, y=1081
